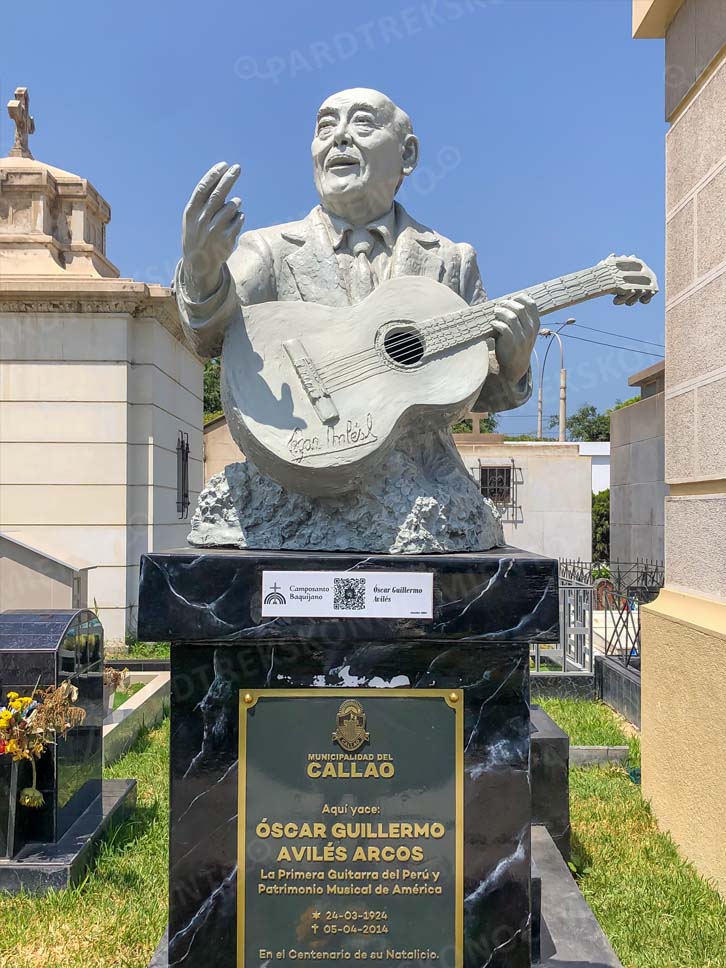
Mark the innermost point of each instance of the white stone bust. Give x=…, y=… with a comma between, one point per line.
x=363, y=148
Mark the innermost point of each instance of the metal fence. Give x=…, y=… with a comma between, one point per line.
x=602, y=598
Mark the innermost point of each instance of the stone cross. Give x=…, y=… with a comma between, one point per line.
x=18, y=109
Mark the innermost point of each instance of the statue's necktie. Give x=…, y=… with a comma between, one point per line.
x=362, y=279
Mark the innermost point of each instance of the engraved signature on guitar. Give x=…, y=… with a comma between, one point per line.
x=352, y=435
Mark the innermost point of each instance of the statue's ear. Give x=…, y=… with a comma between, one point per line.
x=410, y=153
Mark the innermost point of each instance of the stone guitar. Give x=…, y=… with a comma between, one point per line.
x=314, y=395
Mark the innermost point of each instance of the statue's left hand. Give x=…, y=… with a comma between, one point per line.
x=517, y=324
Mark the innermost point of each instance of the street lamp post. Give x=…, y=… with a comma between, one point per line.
x=549, y=333
x=539, y=394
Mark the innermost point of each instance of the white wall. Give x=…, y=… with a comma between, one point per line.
x=90, y=409
x=554, y=495
x=599, y=452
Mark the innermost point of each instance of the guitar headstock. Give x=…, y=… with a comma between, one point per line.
x=633, y=280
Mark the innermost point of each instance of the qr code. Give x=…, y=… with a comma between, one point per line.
x=349, y=593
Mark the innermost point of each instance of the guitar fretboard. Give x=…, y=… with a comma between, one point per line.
x=475, y=323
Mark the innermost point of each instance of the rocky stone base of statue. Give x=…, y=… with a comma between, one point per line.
x=410, y=507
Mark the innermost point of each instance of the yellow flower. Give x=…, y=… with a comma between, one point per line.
x=30, y=797
x=16, y=704
x=12, y=695
x=6, y=717
x=26, y=700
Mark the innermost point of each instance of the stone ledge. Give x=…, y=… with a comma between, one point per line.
x=39, y=868
x=598, y=755
x=145, y=708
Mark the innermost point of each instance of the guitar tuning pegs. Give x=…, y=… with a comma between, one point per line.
x=619, y=300
x=646, y=298
x=632, y=300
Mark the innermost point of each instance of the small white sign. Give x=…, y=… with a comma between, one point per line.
x=348, y=594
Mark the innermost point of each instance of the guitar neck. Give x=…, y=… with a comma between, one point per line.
x=475, y=323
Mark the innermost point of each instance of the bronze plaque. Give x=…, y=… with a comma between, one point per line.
x=350, y=827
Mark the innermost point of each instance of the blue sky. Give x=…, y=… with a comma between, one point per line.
x=541, y=124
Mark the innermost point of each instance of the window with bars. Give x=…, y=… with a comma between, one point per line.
x=496, y=484
x=182, y=474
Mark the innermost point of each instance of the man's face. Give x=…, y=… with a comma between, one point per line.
x=359, y=155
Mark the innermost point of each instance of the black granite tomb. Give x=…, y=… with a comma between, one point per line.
x=549, y=767
x=49, y=846
x=487, y=607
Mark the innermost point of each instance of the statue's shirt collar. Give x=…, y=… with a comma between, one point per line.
x=384, y=227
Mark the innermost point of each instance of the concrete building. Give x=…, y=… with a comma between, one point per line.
x=684, y=630
x=96, y=390
x=599, y=453
x=638, y=489
x=543, y=489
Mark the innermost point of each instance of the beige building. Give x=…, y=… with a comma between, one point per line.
x=96, y=390
x=543, y=489
x=684, y=630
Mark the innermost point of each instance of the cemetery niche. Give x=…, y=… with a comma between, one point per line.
x=54, y=804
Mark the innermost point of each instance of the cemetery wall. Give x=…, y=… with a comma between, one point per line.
x=684, y=631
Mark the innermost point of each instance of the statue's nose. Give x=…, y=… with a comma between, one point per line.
x=342, y=135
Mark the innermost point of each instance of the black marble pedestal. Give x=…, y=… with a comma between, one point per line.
x=487, y=608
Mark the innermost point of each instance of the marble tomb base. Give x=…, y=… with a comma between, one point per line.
x=487, y=607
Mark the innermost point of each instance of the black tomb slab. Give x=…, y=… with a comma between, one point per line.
x=487, y=608
x=49, y=847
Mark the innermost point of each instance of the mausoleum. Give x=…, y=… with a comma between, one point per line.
x=100, y=399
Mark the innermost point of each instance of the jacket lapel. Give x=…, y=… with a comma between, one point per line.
x=313, y=264
x=417, y=249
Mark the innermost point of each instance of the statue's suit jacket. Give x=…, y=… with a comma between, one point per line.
x=297, y=261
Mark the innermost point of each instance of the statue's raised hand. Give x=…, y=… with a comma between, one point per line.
x=210, y=227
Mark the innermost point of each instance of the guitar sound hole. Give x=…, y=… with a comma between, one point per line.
x=404, y=346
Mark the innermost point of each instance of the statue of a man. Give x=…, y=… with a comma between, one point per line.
x=421, y=498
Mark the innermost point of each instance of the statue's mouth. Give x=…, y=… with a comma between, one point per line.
x=342, y=162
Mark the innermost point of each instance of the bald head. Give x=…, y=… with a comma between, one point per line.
x=362, y=150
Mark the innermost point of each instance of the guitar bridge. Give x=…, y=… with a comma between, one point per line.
x=311, y=381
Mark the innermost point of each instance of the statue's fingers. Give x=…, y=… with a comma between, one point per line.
x=231, y=230
x=206, y=185
x=531, y=308
x=505, y=314
x=225, y=214
x=219, y=194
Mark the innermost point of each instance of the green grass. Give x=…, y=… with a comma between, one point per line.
x=655, y=909
x=652, y=905
x=590, y=723
x=114, y=919
x=119, y=698
x=147, y=650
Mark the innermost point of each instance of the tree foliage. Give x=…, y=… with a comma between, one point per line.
x=601, y=526
x=487, y=425
x=212, y=392
x=588, y=424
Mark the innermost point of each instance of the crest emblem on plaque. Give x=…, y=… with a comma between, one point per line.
x=350, y=733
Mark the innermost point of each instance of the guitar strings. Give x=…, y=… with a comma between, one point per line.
x=380, y=366
x=344, y=367
x=339, y=380
x=539, y=292
x=353, y=368
x=436, y=324
x=344, y=364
